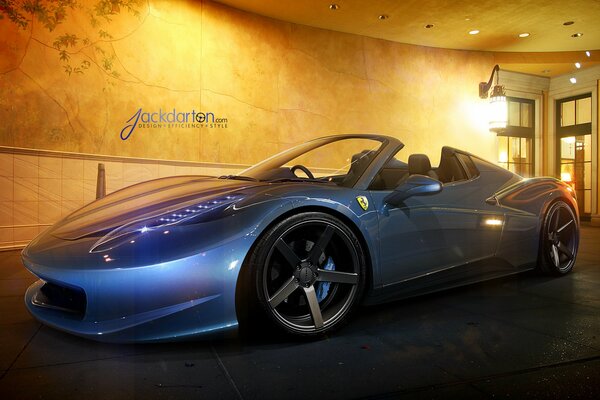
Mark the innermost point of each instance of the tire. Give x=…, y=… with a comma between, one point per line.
x=559, y=240
x=308, y=274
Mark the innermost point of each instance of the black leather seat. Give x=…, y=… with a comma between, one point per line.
x=360, y=161
x=420, y=164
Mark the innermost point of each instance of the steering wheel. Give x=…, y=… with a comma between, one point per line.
x=303, y=169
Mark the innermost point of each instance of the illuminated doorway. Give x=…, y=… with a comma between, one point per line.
x=574, y=147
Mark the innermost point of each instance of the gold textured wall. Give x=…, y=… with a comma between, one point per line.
x=277, y=84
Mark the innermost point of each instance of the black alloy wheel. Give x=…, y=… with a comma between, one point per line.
x=559, y=239
x=309, y=273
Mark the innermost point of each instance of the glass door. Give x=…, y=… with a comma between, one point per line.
x=574, y=147
x=576, y=168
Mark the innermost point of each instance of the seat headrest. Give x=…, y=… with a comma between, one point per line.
x=418, y=164
x=362, y=156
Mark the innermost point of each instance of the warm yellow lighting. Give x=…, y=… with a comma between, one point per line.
x=524, y=34
x=569, y=139
x=492, y=221
x=573, y=80
x=334, y=7
x=587, y=53
x=577, y=65
x=474, y=32
x=565, y=177
x=498, y=109
x=476, y=115
x=503, y=157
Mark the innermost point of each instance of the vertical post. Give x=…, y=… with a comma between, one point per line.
x=596, y=181
x=545, y=141
x=101, y=182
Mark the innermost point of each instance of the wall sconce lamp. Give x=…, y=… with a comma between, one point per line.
x=498, y=105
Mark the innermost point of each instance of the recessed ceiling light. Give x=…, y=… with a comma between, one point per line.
x=577, y=65
x=587, y=53
x=545, y=71
x=429, y=26
x=578, y=34
x=573, y=80
x=524, y=34
x=567, y=23
x=383, y=16
x=474, y=32
x=334, y=7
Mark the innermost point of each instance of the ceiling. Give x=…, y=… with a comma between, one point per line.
x=499, y=24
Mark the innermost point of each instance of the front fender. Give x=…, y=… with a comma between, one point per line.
x=344, y=205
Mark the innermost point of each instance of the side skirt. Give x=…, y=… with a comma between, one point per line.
x=461, y=275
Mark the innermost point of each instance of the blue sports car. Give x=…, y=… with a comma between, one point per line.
x=302, y=238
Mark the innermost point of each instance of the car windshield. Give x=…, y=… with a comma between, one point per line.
x=335, y=160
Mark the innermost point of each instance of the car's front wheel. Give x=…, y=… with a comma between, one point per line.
x=309, y=273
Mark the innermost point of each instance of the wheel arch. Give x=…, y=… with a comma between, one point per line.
x=559, y=195
x=243, y=277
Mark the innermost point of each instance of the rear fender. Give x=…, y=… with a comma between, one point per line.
x=525, y=204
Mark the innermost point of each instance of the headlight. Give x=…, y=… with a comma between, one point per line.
x=186, y=215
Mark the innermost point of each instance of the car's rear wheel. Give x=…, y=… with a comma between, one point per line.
x=559, y=240
x=309, y=273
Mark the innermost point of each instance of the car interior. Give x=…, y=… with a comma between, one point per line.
x=454, y=167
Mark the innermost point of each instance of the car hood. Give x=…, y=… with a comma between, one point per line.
x=143, y=200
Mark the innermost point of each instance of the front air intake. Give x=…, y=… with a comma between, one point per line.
x=61, y=298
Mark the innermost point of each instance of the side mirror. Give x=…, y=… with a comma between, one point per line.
x=414, y=185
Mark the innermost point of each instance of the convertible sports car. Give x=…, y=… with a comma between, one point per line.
x=302, y=238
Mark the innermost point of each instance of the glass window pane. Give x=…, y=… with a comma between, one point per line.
x=587, y=149
x=526, y=115
x=503, y=151
x=515, y=149
x=567, y=113
x=583, y=110
x=567, y=148
x=514, y=118
x=587, y=175
x=587, y=202
x=579, y=143
x=526, y=150
x=567, y=173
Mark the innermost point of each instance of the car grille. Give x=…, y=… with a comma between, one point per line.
x=61, y=298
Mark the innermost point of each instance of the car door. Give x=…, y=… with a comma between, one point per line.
x=432, y=233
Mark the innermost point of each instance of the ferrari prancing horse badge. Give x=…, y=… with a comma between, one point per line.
x=363, y=202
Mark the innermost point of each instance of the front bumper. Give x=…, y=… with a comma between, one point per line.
x=170, y=300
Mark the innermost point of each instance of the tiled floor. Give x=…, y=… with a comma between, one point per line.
x=527, y=336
